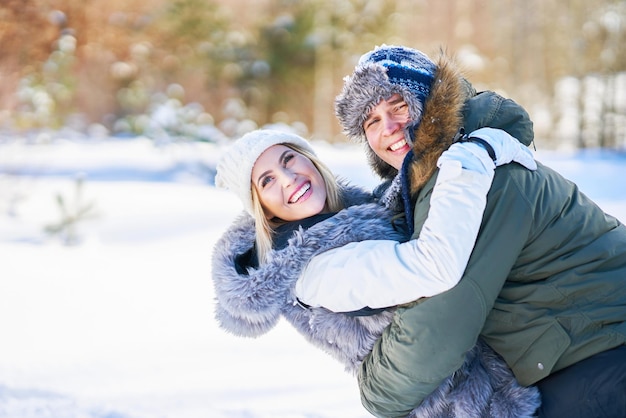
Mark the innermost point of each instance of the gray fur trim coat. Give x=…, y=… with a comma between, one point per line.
x=250, y=301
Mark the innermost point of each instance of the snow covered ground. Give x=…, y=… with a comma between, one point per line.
x=120, y=324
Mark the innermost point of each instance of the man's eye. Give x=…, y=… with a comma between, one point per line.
x=402, y=107
x=370, y=123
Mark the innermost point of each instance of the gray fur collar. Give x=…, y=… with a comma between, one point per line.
x=251, y=304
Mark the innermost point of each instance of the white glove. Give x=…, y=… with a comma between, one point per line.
x=506, y=147
x=474, y=156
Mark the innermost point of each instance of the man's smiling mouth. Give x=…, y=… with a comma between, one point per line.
x=398, y=145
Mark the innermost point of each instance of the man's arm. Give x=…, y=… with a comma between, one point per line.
x=427, y=341
x=402, y=369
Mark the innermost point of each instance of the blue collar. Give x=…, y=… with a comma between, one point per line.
x=405, y=189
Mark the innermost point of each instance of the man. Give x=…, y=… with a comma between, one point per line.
x=545, y=286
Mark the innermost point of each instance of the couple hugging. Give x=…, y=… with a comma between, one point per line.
x=473, y=282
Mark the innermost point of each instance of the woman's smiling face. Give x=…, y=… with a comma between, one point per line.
x=289, y=186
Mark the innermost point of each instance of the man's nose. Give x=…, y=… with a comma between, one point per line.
x=391, y=124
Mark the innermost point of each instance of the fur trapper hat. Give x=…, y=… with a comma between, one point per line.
x=234, y=169
x=379, y=74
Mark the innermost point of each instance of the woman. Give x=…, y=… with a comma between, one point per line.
x=294, y=210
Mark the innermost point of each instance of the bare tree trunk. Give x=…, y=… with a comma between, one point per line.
x=323, y=95
x=607, y=134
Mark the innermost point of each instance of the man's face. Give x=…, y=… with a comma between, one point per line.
x=384, y=130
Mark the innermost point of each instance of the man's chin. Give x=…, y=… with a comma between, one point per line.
x=396, y=159
x=395, y=164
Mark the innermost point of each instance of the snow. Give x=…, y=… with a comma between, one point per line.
x=120, y=324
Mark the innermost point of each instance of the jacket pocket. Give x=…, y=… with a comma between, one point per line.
x=541, y=354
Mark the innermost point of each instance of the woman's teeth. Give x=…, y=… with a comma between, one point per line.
x=300, y=192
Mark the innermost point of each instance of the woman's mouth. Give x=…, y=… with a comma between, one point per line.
x=301, y=191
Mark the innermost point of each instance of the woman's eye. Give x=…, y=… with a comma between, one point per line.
x=265, y=181
x=288, y=158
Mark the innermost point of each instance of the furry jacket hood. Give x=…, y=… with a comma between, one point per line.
x=250, y=301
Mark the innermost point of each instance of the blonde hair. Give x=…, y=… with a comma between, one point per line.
x=265, y=227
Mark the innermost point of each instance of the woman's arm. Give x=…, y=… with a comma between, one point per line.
x=379, y=274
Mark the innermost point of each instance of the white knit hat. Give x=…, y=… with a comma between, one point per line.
x=234, y=169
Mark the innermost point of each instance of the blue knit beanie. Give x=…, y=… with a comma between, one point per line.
x=379, y=74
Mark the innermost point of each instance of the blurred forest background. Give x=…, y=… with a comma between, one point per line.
x=213, y=69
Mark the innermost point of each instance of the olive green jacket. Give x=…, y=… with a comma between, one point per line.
x=545, y=285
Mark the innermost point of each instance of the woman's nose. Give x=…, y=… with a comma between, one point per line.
x=287, y=177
